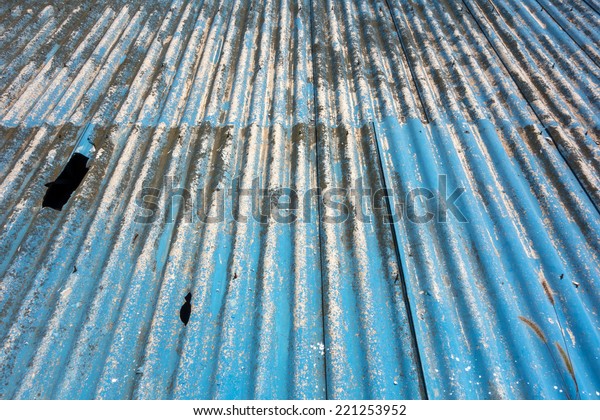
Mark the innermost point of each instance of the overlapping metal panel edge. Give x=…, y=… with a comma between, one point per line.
x=500, y=98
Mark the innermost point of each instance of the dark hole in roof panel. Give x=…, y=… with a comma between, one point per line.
x=60, y=190
x=186, y=309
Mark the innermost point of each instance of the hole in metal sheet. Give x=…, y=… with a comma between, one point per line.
x=186, y=309
x=60, y=190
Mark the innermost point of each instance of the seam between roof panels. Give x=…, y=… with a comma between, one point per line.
x=319, y=204
x=410, y=67
x=555, y=20
x=401, y=271
x=591, y=6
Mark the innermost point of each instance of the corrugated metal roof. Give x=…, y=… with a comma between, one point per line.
x=500, y=98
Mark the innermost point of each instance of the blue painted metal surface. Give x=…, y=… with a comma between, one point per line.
x=499, y=98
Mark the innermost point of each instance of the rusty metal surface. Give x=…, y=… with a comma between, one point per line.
x=200, y=101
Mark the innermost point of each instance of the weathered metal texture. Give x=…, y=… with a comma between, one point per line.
x=500, y=98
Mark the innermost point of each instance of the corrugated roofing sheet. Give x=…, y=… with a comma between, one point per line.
x=500, y=98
